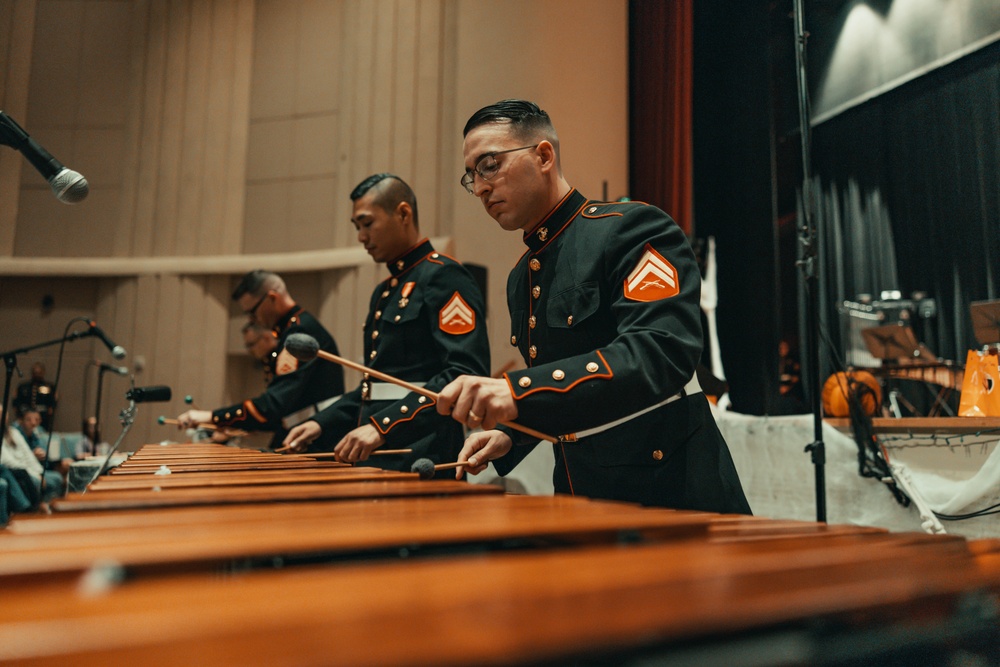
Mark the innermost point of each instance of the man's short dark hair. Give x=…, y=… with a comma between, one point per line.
x=526, y=118
x=252, y=283
x=390, y=190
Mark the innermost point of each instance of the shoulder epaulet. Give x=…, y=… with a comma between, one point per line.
x=600, y=209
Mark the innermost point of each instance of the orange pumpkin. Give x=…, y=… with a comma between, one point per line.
x=839, y=386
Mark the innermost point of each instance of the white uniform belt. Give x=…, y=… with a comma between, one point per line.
x=692, y=387
x=299, y=416
x=386, y=391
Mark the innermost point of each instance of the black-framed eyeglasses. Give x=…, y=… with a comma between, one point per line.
x=487, y=167
x=252, y=313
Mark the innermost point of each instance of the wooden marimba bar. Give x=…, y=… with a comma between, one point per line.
x=177, y=569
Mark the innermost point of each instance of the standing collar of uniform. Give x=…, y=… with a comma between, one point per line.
x=288, y=319
x=415, y=254
x=554, y=221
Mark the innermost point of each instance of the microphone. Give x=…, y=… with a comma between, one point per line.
x=117, y=351
x=153, y=394
x=121, y=370
x=69, y=186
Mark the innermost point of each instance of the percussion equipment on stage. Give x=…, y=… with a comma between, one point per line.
x=242, y=557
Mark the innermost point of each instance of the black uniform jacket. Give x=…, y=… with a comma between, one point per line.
x=425, y=324
x=605, y=312
x=295, y=385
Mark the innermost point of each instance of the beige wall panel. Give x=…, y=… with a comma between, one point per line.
x=49, y=228
x=272, y=86
x=17, y=29
x=269, y=154
x=100, y=148
x=315, y=214
x=166, y=223
x=231, y=235
x=139, y=213
x=314, y=146
x=57, y=60
x=267, y=204
x=432, y=145
x=104, y=54
x=319, y=52
x=192, y=149
x=401, y=109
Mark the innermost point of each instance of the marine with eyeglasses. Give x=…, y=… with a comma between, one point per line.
x=297, y=390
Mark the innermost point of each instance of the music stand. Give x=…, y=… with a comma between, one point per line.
x=892, y=342
x=986, y=321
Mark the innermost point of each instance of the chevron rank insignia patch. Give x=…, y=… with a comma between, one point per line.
x=457, y=317
x=285, y=363
x=652, y=279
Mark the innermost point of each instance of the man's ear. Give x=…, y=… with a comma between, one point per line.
x=404, y=211
x=547, y=155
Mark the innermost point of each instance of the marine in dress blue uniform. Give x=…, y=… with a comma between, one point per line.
x=425, y=325
x=605, y=312
x=298, y=390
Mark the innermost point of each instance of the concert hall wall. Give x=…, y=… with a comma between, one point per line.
x=220, y=136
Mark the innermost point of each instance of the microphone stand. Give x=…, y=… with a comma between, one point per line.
x=10, y=365
x=809, y=265
x=127, y=417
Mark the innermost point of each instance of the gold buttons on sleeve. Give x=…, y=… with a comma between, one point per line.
x=569, y=321
x=536, y=291
x=558, y=375
x=386, y=420
x=534, y=264
x=532, y=351
x=525, y=382
x=434, y=255
x=513, y=340
x=592, y=367
x=404, y=409
x=422, y=400
x=657, y=455
x=532, y=321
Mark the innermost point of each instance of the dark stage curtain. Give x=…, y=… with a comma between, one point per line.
x=908, y=197
x=661, y=38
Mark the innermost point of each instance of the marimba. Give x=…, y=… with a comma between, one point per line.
x=238, y=557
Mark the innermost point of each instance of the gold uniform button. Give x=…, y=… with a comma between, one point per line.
x=569, y=321
x=393, y=282
x=657, y=455
x=386, y=420
x=374, y=335
x=385, y=294
x=404, y=409
x=543, y=233
x=365, y=375
x=535, y=264
x=378, y=314
x=422, y=400
x=400, y=264
x=532, y=322
x=536, y=291
x=396, y=319
x=591, y=367
x=592, y=209
x=532, y=351
x=434, y=255
x=513, y=340
x=372, y=356
x=558, y=374
x=228, y=415
x=525, y=382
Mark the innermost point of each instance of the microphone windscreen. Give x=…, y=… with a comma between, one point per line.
x=70, y=186
x=423, y=467
x=156, y=393
x=302, y=346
